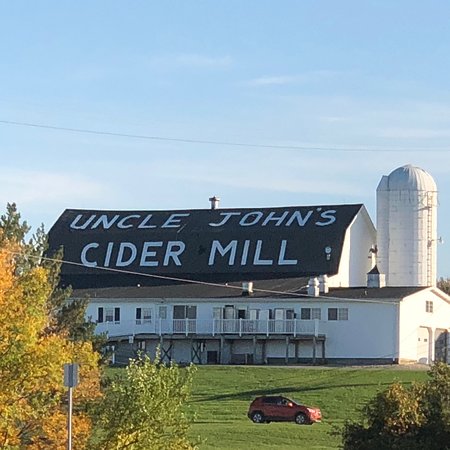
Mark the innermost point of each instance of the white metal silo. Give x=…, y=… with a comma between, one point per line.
x=407, y=227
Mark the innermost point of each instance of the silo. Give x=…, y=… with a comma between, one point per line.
x=407, y=227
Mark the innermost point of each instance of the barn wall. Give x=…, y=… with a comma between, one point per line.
x=369, y=332
x=415, y=321
x=356, y=261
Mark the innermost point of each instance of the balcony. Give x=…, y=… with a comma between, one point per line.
x=211, y=327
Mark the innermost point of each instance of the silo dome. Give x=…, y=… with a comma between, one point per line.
x=407, y=227
x=408, y=177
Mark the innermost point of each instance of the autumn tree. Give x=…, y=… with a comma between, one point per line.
x=64, y=314
x=143, y=408
x=33, y=349
x=403, y=418
x=40, y=330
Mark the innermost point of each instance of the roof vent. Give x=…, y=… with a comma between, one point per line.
x=375, y=279
x=247, y=288
x=313, y=287
x=323, y=284
x=214, y=202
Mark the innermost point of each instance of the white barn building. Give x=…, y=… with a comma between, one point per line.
x=273, y=285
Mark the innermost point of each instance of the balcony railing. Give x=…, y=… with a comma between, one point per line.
x=213, y=327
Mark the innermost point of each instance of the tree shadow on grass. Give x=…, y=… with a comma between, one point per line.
x=250, y=394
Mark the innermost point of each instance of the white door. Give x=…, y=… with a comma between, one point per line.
x=423, y=346
x=229, y=324
x=252, y=323
x=279, y=320
x=218, y=319
x=263, y=320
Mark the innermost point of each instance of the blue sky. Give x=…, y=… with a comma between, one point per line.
x=339, y=76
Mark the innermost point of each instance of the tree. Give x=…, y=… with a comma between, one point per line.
x=435, y=404
x=32, y=395
x=33, y=351
x=444, y=285
x=40, y=330
x=143, y=408
x=405, y=419
x=64, y=315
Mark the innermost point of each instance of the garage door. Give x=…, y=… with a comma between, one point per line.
x=423, y=346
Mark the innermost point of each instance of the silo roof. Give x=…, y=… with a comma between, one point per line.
x=411, y=178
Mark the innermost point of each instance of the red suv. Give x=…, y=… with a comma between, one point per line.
x=280, y=409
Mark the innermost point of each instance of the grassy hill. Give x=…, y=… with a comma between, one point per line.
x=221, y=395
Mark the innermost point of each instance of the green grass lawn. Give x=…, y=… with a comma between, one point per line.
x=222, y=394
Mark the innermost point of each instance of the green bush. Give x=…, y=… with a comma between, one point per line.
x=142, y=408
x=405, y=418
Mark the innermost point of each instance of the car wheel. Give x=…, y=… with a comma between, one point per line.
x=257, y=417
x=301, y=419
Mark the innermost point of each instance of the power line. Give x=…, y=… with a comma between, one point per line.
x=227, y=143
x=161, y=277
x=201, y=283
x=294, y=294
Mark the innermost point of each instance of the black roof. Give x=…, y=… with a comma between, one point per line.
x=262, y=288
x=374, y=293
x=125, y=248
x=281, y=288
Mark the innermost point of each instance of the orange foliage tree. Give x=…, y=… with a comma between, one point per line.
x=33, y=400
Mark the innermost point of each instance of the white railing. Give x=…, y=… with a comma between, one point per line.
x=268, y=327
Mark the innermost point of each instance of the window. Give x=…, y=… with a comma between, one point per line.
x=343, y=314
x=143, y=315
x=147, y=315
x=290, y=314
x=310, y=313
x=180, y=314
x=271, y=400
x=337, y=313
x=108, y=315
x=305, y=314
x=332, y=313
x=184, y=312
x=429, y=306
x=242, y=313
